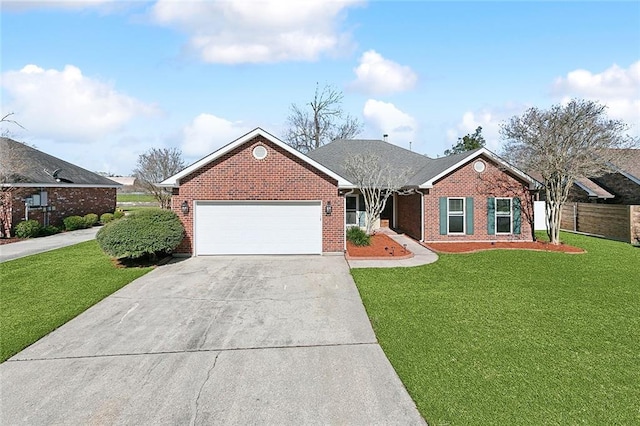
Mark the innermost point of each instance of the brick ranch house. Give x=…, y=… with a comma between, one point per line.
x=39, y=186
x=257, y=195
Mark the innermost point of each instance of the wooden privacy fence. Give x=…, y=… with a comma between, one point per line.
x=612, y=221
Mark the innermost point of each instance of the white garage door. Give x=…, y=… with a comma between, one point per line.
x=253, y=227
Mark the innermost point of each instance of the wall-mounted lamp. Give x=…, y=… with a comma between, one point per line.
x=184, y=207
x=328, y=208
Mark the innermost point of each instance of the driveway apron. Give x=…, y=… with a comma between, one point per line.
x=214, y=340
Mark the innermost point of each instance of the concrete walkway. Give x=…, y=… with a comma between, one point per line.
x=42, y=244
x=421, y=255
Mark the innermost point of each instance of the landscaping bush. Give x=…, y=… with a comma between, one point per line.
x=72, y=223
x=357, y=236
x=106, y=218
x=45, y=231
x=90, y=219
x=28, y=229
x=118, y=214
x=144, y=232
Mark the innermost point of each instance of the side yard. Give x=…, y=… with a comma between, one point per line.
x=39, y=293
x=515, y=337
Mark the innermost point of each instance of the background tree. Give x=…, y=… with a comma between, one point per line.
x=377, y=181
x=320, y=121
x=153, y=167
x=562, y=144
x=467, y=143
x=12, y=167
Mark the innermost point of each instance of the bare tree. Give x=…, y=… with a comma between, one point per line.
x=153, y=167
x=324, y=122
x=562, y=144
x=12, y=169
x=377, y=181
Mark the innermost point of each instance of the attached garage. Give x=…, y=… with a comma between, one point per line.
x=257, y=227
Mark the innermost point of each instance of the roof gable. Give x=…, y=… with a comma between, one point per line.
x=175, y=179
x=24, y=166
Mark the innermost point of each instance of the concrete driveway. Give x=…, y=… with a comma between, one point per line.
x=214, y=340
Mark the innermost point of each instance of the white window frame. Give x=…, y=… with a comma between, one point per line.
x=496, y=215
x=463, y=215
x=347, y=211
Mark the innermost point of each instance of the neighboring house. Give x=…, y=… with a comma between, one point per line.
x=40, y=186
x=619, y=186
x=257, y=195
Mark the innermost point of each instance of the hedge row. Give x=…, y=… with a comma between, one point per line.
x=32, y=228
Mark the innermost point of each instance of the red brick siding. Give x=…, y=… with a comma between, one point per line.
x=67, y=202
x=281, y=176
x=466, y=182
x=408, y=213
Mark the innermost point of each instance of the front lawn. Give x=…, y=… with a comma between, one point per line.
x=515, y=337
x=39, y=293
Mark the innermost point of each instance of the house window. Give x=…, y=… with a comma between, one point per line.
x=503, y=216
x=455, y=216
x=352, y=210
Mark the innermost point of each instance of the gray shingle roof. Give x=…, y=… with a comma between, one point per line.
x=23, y=164
x=333, y=154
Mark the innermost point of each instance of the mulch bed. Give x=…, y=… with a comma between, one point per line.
x=460, y=247
x=8, y=240
x=382, y=247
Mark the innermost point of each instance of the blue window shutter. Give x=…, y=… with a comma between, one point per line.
x=517, y=216
x=469, y=215
x=491, y=216
x=443, y=215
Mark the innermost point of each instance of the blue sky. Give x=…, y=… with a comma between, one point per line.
x=99, y=82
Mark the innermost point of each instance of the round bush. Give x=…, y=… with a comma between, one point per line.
x=106, y=218
x=118, y=214
x=72, y=223
x=144, y=232
x=28, y=229
x=90, y=219
x=357, y=236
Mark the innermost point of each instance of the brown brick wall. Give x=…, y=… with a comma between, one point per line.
x=466, y=182
x=66, y=202
x=280, y=176
x=625, y=190
x=408, y=212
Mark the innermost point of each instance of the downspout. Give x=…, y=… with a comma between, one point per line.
x=344, y=216
x=421, y=216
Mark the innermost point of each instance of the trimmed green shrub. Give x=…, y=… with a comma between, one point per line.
x=72, y=223
x=357, y=236
x=106, y=218
x=90, y=219
x=118, y=214
x=28, y=229
x=45, y=231
x=144, y=232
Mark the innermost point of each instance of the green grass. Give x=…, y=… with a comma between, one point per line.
x=515, y=337
x=135, y=198
x=39, y=293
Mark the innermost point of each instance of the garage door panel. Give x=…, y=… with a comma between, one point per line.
x=258, y=228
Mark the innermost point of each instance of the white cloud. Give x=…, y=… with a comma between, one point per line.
x=244, y=31
x=377, y=75
x=206, y=133
x=68, y=105
x=386, y=118
x=616, y=87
